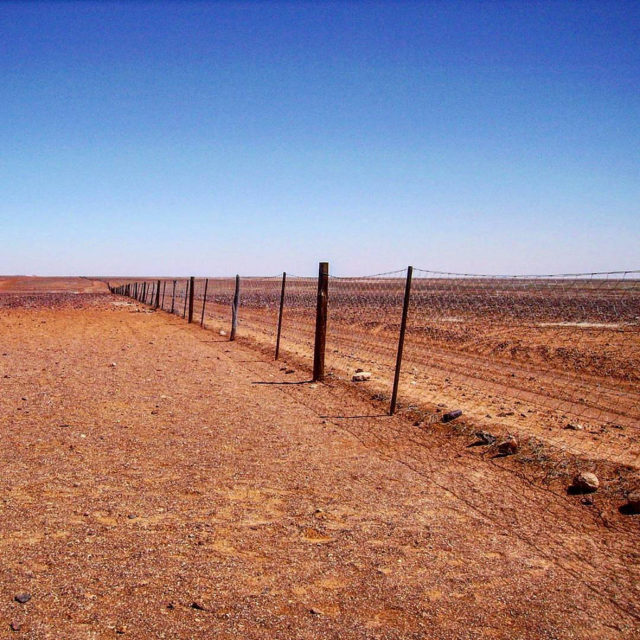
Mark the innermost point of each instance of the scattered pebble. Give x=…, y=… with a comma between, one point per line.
x=633, y=501
x=198, y=606
x=23, y=597
x=451, y=415
x=574, y=426
x=222, y=333
x=361, y=376
x=585, y=482
x=15, y=626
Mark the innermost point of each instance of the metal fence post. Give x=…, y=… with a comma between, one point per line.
x=403, y=328
x=204, y=301
x=234, y=309
x=321, y=322
x=186, y=296
x=284, y=281
x=173, y=297
x=191, y=290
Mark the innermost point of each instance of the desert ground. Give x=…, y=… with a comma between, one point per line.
x=161, y=482
x=554, y=362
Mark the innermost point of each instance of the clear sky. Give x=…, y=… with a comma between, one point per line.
x=215, y=138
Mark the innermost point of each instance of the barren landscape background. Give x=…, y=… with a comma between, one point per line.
x=160, y=481
x=553, y=357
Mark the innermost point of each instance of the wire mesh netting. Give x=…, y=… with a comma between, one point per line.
x=556, y=356
x=549, y=355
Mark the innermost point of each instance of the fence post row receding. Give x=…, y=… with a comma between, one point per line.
x=149, y=293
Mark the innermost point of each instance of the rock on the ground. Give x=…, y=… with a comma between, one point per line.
x=485, y=437
x=222, y=332
x=451, y=415
x=23, y=597
x=508, y=447
x=574, y=426
x=361, y=376
x=633, y=500
x=585, y=482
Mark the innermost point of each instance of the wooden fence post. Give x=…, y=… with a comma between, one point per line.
x=284, y=281
x=157, y=304
x=204, y=301
x=186, y=296
x=191, y=290
x=234, y=309
x=403, y=328
x=321, y=322
x=164, y=288
x=173, y=297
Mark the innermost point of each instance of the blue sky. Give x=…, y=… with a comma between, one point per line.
x=214, y=138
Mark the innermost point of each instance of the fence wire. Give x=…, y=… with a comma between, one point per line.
x=556, y=357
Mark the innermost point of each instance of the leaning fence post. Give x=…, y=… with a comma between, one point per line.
x=173, y=297
x=284, y=281
x=321, y=322
x=403, y=328
x=204, y=301
x=191, y=290
x=234, y=309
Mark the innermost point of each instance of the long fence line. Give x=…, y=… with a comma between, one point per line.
x=553, y=356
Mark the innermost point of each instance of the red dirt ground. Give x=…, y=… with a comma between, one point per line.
x=161, y=482
x=36, y=284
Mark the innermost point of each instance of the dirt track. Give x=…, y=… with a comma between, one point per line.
x=159, y=481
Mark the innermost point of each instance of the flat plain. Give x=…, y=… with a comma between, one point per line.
x=161, y=482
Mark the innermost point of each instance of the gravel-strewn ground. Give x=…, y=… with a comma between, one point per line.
x=160, y=482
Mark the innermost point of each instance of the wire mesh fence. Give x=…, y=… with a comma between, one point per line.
x=556, y=357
